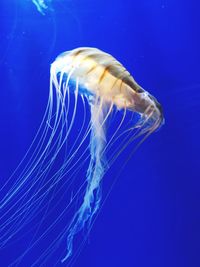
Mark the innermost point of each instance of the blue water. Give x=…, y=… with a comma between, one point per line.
x=151, y=217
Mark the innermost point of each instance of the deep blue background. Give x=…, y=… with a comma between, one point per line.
x=151, y=218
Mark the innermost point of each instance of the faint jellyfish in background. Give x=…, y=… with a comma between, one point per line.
x=95, y=110
x=42, y=5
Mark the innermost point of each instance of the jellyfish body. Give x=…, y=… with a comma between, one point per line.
x=80, y=76
x=107, y=83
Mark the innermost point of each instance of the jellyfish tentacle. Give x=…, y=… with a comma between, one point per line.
x=27, y=172
x=95, y=172
x=24, y=207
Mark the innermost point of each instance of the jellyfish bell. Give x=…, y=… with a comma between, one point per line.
x=87, y=86
x=104, y=77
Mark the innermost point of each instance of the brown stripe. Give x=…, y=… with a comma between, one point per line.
x=90, y=70
x=103, y=74
x=116, y=69
x=89, y=57
x=116, y=80
x=79, y=51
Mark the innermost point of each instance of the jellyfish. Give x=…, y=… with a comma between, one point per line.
x=88, y=90
x=41, y=5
